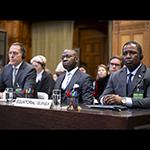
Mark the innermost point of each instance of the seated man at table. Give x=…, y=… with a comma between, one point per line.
x=130, y=86
x=18, y=74
x=73, y=76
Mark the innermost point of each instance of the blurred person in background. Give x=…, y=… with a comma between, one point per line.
x=83, y=68
x=101, y=80
x=44, y=79
x=115, y=63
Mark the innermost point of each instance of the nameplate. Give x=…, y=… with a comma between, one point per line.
x=33, y=103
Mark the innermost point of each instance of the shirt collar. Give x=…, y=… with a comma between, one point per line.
x=133, y=72
x=72, y=71
x=40, y=73
x=18, y=66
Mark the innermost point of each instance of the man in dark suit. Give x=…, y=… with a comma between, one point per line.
x=24, y=84
x=73, y=76
x=117, y=92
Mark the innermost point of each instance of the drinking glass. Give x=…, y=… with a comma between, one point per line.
x=9, y=94
x=56, y=96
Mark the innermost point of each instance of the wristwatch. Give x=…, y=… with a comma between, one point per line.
x=123, y=101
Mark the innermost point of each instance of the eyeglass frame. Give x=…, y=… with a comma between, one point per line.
x=113, y=64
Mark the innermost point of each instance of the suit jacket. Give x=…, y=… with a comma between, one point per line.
x=85, y=90
x=25, y=80
x=141, y=81
x=46, y=84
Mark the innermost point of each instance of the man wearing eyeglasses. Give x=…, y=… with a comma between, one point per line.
x=115, y=63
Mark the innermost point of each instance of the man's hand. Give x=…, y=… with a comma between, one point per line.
x=112, y=99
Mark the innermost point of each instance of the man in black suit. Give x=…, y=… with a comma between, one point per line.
x=76, y=77
x=138, y=83
x=24, y=84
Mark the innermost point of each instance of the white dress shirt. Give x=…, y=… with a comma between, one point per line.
x=67, y=78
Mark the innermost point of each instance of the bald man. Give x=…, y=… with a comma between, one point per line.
x=70, y=61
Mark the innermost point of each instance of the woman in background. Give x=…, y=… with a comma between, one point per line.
x=44, y=79
x=101, y=80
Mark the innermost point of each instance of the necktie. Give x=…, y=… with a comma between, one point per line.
x=68, y=79
x=14, y=75
x=129, y=84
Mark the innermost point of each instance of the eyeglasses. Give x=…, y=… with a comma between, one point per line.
x=113, y=64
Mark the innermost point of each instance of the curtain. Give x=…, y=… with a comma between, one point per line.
x=50, y=38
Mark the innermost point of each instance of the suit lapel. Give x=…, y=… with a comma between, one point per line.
x=138, y=77
x=123, y=79
x=73, y=80
x=60, y=80
x=19, y=73
x=10, y=75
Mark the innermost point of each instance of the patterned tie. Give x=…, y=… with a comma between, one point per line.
x=129, y=84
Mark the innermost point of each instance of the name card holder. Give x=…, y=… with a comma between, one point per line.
x=33, y=103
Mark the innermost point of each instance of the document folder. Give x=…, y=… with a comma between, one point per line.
x=112, y=107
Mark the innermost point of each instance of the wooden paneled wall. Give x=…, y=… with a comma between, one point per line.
x=138, y=30
x=18, y=31
x=122, y=31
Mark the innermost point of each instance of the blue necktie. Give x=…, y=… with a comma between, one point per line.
x=129, y=84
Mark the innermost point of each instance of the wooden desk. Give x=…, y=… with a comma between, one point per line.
x=12, y=117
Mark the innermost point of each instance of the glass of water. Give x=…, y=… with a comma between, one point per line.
x=9, y=94
x=56, y=95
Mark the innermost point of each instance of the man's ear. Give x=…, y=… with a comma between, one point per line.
x=77, y=59
x=141, y=56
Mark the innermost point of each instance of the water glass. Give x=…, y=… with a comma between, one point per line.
x=56, y=96
x=9, y=94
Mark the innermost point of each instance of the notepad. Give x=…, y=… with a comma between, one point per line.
x=112, y=107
